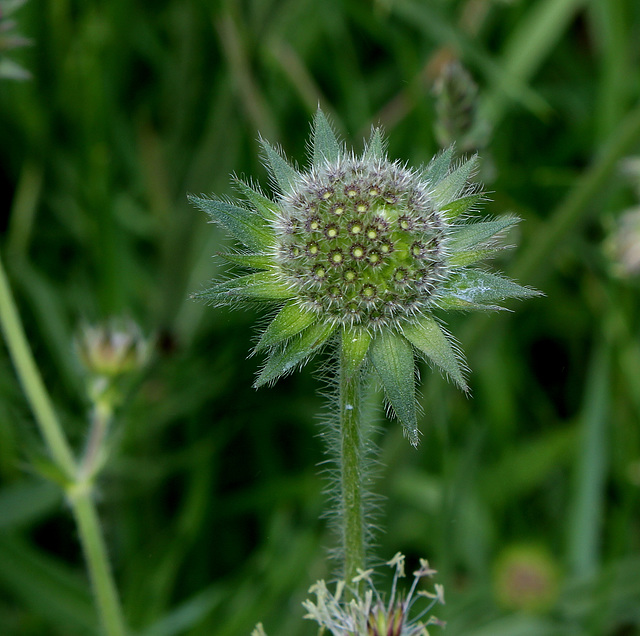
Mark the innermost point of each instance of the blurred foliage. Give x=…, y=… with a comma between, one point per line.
x=213, y=503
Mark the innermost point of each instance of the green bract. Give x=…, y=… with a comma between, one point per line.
x=361, y=250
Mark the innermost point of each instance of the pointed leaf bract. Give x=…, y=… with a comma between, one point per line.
x=294, y=352
x=428, y=337
x=257, y=287
x=254, y=261
x=392, y=358
x=438, y=167
x=461, y=206
x=325, y=145
x=285, y=175
x=245, y=225
x=476, y=286
x=291, y=319
x=265, y=206
x=355, y=344
x=454, y=184
x=375, y=148
x=464, y=237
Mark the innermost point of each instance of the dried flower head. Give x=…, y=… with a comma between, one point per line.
x=363, y=249
x=368, y=614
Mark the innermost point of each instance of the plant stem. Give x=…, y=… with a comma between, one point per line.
x=95, y=552
x=31, y=381
x=351, y=472
x=79, y=490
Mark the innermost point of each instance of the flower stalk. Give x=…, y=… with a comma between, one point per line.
x=78, y=477
x=352, y=512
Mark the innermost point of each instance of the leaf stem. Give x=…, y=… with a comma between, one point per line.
x=351, y=471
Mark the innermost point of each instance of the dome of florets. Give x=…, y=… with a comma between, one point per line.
x=361, y=242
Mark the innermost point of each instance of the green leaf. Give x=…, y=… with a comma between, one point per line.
x=375, y=148
x=470, y=257
x=285, y=175
x=27, y=501
x=451, y=303
x=466, y=236
x=265, y=206
x=255, y=261
x=325, y=145
x=355, y=344
x=258, y=286
x=245, y=225
x=429, y=338
x=47, y=587
x=475, y=286
x=455, y=183
x=291, y=320
x=294, y=352
x=438, y=167
x=392, y=358
x=462, y=205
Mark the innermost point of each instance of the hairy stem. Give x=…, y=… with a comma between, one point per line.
x=351, y=472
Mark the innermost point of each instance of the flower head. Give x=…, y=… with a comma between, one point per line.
x=363, y=251
x=112, y=349
x=110, y=352
x=368, y=614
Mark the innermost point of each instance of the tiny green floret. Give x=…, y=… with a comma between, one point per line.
x=363, y=251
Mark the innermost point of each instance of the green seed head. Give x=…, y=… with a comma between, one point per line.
x=363, y=252
x=361, y=242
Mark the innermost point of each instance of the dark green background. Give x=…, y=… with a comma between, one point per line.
x=212, y=501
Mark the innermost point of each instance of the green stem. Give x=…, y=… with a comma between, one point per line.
x=351, y=472
x=78, y=489
x=31, y=381
x=100, y=418
x=95, y=553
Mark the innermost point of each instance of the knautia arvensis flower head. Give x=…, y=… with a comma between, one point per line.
x=368, y=612
x=363, y=251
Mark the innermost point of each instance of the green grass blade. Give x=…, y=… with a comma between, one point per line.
x=585, y=521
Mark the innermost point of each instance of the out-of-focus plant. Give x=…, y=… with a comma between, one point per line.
x=10, y=40
x=456, y=104
x=623, y=243
x=107, y=355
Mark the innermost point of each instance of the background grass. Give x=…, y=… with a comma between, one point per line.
x=212, y=502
